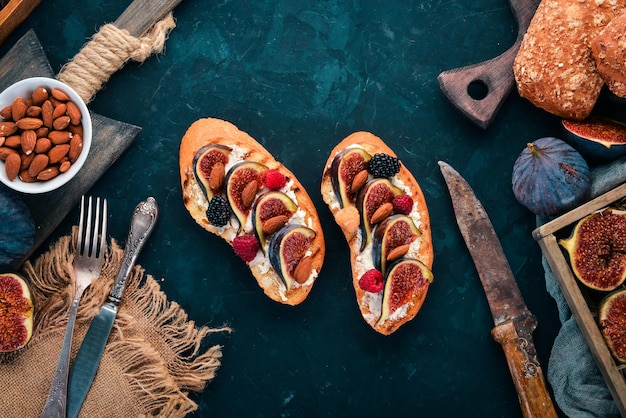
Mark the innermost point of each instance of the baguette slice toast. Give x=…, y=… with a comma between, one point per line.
x=210, y=132
x=349, y=219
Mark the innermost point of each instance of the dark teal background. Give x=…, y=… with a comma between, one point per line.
x=299, y=76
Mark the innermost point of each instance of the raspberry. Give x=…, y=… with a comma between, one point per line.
x=246, y=247
x=274, y=179
x=218, y=212
x=383, y=165
x=371, y=281
x=403, y=204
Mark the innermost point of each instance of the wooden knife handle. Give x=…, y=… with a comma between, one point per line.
x=516, y=340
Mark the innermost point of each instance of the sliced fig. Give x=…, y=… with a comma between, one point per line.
x=237, y=180
x=344, y=168
x=392, y=233
x=597, y=138
x=203, y=163
x=16, y=313
x=407, y=280
x=612, y=322
x=287, y=248
x=375, y=194
x=268, y=206
x=597, y=249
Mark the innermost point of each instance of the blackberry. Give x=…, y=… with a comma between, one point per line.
x=218, y=212
x=383, y=165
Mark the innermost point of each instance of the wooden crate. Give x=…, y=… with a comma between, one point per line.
x=583, y=302
x=14, y=13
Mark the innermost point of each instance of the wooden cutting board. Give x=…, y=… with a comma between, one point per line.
x=110, y=139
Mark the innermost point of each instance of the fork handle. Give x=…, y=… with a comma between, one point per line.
x=57, y=397
x=142, y=223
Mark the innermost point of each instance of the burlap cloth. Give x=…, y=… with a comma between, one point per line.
x=153, y=359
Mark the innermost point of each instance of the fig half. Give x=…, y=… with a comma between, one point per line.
x=374, y=194
x=287, y=248
x=268, y=206
x=203, y=162
x=392, y=233
x=407, y=281
x=597, y=138
x=612, y=322
x=344, y=168
x=597, y=249
x=16, y=312
x=237, y=179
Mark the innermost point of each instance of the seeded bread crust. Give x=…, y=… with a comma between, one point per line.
x=217, y=131
x=609, y=52
x=348, y=221
x=554, y=67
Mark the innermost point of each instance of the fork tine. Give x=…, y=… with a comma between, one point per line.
x=81, y=226
x=87, y=248
x=103, y=231
x=94, y=239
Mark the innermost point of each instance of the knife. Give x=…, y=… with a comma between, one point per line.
x=514, y=323
x=88, y=357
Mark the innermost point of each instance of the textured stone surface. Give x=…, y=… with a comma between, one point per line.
x=299, y=76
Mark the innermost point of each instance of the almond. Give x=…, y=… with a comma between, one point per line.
x=2, y=139
x=26, y=160
x=5, y=112
x=273, y=224
x=249, y=193
x=13, y=141
x=18, y=109
x=76, y=129
x=28, y=140
x=76, y=146
x=27, y=178
x=74, y=113
x=43, y=145
x=48, y=173
x=60, y=137
x=41, y=132
x=39, y=163
x=216, y=178
x=59, y=94
x=359, y=181
x=381, y=213
x=40, y=95
x=7, y=128
x=61, y=122
x=65, y=165
x=57, y=153
x=5, y=152
x=12, y=166
x=303, y=270
x=33, y=112
x=46, y=113
x=29, y=123
x=398, y=252
x=59, y=110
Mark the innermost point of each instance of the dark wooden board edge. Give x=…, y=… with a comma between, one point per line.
x=110, y=139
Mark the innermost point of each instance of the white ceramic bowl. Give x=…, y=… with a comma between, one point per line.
x=25, y=88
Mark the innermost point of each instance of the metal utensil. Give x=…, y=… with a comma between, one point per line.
x=514, y=323
x=495, y=75
x=91, y=350
x=87, y=266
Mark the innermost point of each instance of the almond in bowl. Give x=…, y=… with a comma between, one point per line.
x=45, y=135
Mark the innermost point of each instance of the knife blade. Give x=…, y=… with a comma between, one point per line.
x=514, y=323
x=88, y=357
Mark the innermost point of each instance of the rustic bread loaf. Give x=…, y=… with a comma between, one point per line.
x=609, y=52
x=554, y=67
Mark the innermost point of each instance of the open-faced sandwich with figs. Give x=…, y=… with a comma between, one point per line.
x=233, y=187
x=382, y=213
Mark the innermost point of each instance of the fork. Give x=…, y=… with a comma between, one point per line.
x=87, y=266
